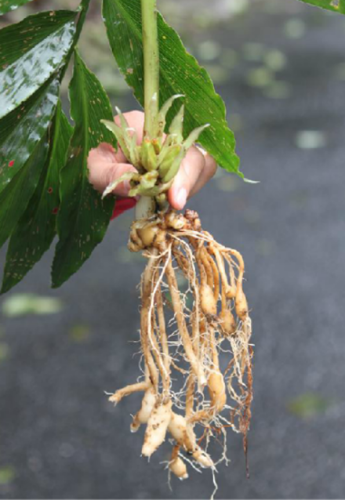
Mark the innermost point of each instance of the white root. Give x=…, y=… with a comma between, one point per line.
x=186, y=391
x=178, y=428
x=203, y=458
x=217, y=390
x=179, y=468
x=188, y=346
x=147, y=406
x=241, y=303
x=227, y=322
x=208, y=302
x=126, y=391
x=177, y=465
x=156, y=429
x=183, y=434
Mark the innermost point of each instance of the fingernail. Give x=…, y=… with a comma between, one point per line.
x=181, y=198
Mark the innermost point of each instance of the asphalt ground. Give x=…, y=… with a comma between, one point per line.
x=60, y=438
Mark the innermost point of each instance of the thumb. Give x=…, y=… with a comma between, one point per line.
x=187, y=177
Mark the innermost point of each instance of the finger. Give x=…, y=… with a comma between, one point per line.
x=185, y=181
x=206, y=175
x=104, y=169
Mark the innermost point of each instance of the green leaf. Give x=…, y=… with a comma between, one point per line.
x=15, y=197
x=83, y=217
x=8, y=5
x=30, y=53
x=21, y=304
x=23, y=150
x=333, y=5
x=36, y=229
x=179, y=74
x=21, y=130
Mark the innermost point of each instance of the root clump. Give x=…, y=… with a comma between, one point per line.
x=194, y=313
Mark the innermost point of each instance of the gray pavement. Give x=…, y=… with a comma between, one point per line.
x=58, y=433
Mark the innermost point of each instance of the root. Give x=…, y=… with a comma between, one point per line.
x=186, y=392
x=126, y=391
x=182, y=326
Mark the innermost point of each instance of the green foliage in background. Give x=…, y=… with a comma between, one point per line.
x=44, y=188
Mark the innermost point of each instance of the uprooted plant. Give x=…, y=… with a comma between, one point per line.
x=195, y=337
x=187, y=393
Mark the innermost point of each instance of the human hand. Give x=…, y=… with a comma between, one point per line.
x=106, y=165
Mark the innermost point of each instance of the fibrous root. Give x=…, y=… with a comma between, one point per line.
x=194, y=313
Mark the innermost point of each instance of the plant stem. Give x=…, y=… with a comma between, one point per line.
x=145, y=207
x=151, y=65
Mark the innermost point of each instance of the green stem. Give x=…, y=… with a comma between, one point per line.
x=151, y=65
x=146, y=206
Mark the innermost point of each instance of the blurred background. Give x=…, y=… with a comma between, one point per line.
x=280, y=67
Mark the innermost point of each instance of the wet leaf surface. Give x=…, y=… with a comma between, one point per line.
x=83, y=216
x=15, y=197
x=21, y=130
x=23, y=151
x=30, y=52
x=179, y=74
x=21, y=304
x=9, y=5
x=36, y=229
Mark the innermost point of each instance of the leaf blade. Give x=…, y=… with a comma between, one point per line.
x=15, y=174
x=337, y=6
x=179, y=74
x=31, y=52
x=83, y=217
x=15, y=197
x=9, y=5
x=22, y=129
x=36, y=229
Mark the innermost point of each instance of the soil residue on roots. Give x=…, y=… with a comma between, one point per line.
x=188, y=333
